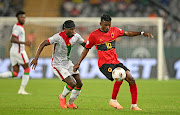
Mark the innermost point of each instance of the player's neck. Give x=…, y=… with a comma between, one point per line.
x=20, y=23
x=102, y=30
x=69, y=36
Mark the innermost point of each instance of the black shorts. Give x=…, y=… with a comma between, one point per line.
x=107, y=69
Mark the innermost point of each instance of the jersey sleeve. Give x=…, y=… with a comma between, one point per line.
x=80, y=40
x=90, y=42
x=15, y=31
x=119, y=32
x=54, y=39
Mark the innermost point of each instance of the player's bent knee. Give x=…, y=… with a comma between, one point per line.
x=80, y=84
x=72, y=84
x=15, y=74
x=27, y=70
x=132, y=81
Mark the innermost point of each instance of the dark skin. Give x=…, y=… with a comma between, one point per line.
x=75, y=79
x=104, y=27
x=21, y=19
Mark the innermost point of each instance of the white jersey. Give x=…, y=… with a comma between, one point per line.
x=62, y=47
x=19, y=33
x=17, y=53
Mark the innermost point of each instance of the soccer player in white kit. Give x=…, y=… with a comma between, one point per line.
x=18, y=54
x=62, y=66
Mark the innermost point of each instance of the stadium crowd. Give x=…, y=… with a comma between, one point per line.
x=115, y=8
x=127, y=8
x=10, y=7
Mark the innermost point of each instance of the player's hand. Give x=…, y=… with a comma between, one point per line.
x=33, y=63
x=28, y=43
x=148, y=35
x=75, y=68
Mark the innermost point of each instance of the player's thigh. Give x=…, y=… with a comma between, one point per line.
x=78, y=80
x=129, y=78
x=16, y=68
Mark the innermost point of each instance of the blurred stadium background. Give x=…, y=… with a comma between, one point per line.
x=139, y=54
x=45, y=18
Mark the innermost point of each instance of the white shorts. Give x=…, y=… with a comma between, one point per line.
x=18, y=58
x=63, y=72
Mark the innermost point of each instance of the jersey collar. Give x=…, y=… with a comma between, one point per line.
x=102, y=31
x=20, y=25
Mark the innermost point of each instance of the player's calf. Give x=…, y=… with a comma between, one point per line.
x=9, y=74
x=25, y=79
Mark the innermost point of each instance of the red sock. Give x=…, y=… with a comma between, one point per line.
x=116, y=88
x=133, y=90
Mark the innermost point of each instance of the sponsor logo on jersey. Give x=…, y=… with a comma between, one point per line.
x=106, y=46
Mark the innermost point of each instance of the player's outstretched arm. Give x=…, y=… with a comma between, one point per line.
x=83, y=55
x=40, y=48
x=15, y=40
x=131, y=33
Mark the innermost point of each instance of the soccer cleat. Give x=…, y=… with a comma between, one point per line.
x=62, y=102
x=73, y=106
x=136, y=108
x=23, y=92
x=115, y=104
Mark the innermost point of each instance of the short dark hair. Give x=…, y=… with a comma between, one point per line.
x=105, y=17
x=19, y=13
x=68, y=24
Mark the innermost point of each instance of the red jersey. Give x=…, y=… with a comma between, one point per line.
x=105, y=45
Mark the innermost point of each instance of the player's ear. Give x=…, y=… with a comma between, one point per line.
x=65, y=29
x=100, y=23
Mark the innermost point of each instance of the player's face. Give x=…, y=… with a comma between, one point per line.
x=22, y=18
x=70, y=32
x=105, y=25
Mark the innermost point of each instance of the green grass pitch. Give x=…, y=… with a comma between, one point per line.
x=154, y=97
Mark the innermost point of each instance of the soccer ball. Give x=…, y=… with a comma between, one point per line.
x=118, y=74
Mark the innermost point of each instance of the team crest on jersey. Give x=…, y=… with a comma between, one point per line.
x=112, y=35
x=109, y=69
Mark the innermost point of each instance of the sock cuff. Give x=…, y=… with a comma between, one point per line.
x=26, y=73
x=76, y=88
x=14, y=74
x=69, y=87
x=119, y=82
x=27, y=70
x=133, y=85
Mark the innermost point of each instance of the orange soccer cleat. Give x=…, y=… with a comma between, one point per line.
x=62, y=102
x=73, y=106
x=136, y=108
x=115, y=104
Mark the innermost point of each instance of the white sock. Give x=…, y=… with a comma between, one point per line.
x=113, y=100
x=6, y=74
x=25, y=79
x=133, y=105
x=74, y=95
x=65, y=92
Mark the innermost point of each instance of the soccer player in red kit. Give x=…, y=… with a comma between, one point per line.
x=104, y=40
